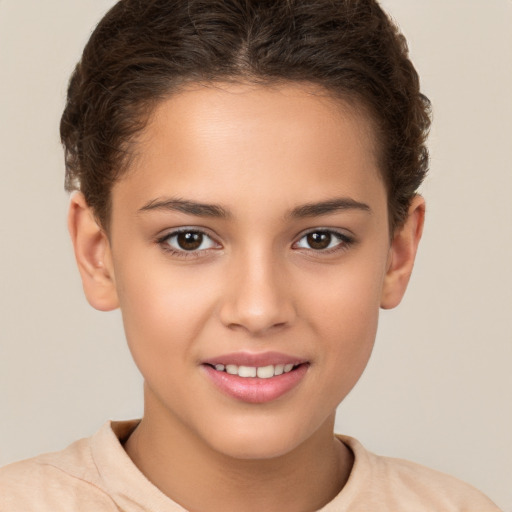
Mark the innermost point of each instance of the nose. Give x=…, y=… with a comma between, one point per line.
x=258, y=297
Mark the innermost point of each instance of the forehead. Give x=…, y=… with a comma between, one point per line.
x=232, y=139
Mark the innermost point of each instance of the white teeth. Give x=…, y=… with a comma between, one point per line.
x=232, y=369
x=262, y=372
x=247, y=371
x=265, y=372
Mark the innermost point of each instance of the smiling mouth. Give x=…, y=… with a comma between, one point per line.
x=261, y=372
x=253, y=379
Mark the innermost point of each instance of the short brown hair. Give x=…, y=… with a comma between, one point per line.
x=144, y=50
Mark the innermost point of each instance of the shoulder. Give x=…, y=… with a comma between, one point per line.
x=397, y=485
x=59, y=481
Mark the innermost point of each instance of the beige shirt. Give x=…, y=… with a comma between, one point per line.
x=96, y=475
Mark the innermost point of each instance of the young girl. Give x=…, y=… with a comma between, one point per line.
x=244, y=178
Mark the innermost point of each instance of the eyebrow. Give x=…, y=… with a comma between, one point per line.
x=217, y=211
x=184, y=206
x=327, y=207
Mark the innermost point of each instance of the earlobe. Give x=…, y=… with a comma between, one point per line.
x=404, y=246
x=93, y=255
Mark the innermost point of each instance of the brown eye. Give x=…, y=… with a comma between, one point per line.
x=319, y=240
x=189, y=240
x=324, y=240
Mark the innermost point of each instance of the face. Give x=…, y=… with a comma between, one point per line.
x=249, y=248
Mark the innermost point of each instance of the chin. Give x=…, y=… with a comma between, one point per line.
x=255, y=447
x=267, y=438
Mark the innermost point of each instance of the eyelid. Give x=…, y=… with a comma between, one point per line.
x=345, y=239
x=167, y=234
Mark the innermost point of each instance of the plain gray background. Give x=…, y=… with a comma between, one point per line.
x=438, y=389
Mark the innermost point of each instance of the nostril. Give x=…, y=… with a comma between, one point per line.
x=257, y=329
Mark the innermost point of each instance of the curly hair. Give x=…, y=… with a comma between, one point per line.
x=143, y=51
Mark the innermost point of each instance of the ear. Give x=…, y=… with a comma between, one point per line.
x=402, y=254
x=93, y=255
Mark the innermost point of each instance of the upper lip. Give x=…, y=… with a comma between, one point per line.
x=254, y=359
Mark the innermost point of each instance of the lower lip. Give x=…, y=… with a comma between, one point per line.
x=254, y=390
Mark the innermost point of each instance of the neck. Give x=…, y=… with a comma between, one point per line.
x=199, y=478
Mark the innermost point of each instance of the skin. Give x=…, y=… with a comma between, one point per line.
x=255, y=285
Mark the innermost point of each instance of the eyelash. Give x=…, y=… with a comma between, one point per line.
x=344, y=242
x=163, y=241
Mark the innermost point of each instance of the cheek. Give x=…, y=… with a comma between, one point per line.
x=344, y=316
x=347, y=296
x=348, y=327
x=163, y=311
